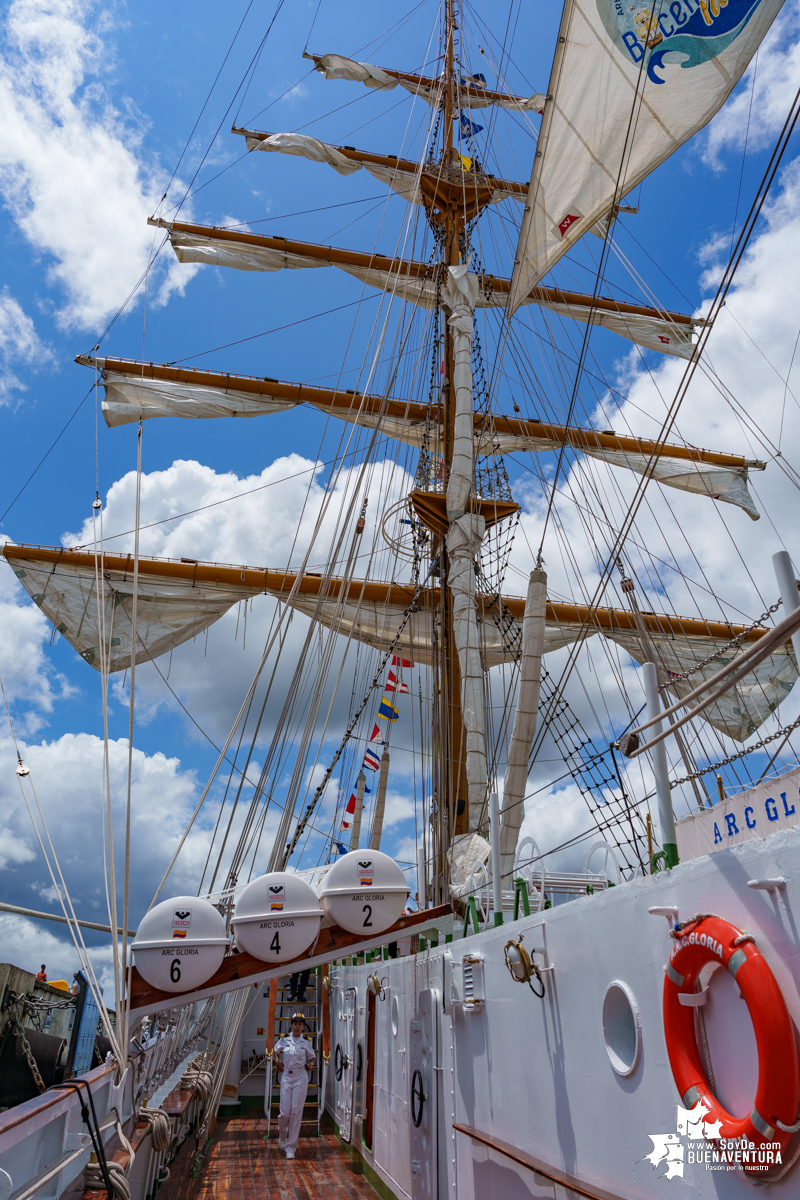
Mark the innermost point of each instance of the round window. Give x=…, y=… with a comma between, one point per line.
x=622, y=1028
x=395, y=1015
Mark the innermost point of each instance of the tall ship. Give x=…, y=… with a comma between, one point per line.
x=511, y=1005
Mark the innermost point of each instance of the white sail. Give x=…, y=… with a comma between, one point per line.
x=335, y=66
x=741, y=710
x=653, y=332
x=630, y=84
x=404, y=182
x=177, y=601
x=132, y=397
x=169, y=611
x=725, y=483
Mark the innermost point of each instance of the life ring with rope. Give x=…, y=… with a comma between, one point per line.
x=707, y=938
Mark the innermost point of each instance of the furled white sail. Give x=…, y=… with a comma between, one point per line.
x=179, y=601
x=335, y=66
x=654, y=332
x=131, y=397
x=405, y=183
x=728, y=484
x=169, y=611
x=630, y=84
x=741, y=710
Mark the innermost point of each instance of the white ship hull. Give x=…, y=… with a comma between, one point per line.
x=536, y=1073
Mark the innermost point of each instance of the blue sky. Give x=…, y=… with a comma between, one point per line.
x=99, y=105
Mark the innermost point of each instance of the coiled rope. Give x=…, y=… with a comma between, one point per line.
x=160, y=1126
x=196, y=1080
x=96, y=1179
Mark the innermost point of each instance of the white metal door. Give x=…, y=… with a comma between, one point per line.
x=424, y=1101
x=344, y=1063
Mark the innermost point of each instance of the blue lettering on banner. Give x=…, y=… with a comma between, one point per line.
x=750, y=824
x=717, y=834
x=772, y=808
x=634, y=46
x=678, y=13
x=666, y=32
x=730, y=821
x=786, y=808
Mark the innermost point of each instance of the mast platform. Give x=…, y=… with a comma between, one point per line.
x=241, y=1162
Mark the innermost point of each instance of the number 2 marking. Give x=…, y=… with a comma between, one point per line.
x=368, y=910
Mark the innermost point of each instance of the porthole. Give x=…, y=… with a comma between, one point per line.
x=395, y=1015
x=622, y=1028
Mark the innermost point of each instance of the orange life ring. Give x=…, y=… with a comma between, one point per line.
x=710, y=939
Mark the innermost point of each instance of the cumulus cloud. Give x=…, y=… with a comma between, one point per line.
x=72, y=171
x=19, y=343
x=27, y=675
x=757, y=111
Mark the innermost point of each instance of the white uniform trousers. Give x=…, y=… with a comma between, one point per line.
x=294, y=1086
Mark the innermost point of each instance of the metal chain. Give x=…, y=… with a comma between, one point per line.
x=26, y=1050
x=718, y=653
x=724, y=762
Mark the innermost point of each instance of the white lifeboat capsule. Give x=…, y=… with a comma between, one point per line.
x=276, y=917
x=180, y=944
x=364, y=892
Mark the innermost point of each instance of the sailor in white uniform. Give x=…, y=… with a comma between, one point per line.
x=295, y=1059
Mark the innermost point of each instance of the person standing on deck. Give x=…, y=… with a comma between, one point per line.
x=42, y=975
x=295, y=1060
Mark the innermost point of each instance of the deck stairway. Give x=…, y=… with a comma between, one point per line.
x=311, y=1009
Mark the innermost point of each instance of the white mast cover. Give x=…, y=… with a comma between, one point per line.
x=630, y=84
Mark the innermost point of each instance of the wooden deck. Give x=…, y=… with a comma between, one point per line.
x=241, y=1163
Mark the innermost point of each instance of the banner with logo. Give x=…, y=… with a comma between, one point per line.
x=756, y=813
x=631, y=82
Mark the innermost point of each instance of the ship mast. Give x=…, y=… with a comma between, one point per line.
x=453, y=777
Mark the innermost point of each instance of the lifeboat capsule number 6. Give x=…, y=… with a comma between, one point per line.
x=774, y=1112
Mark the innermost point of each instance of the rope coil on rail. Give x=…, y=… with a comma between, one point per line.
x=160, y=1126
x=196, y=1080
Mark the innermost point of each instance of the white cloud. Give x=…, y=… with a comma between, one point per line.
x=72, y=171
x=756, y=114
x=27, y=675
x=19, y=343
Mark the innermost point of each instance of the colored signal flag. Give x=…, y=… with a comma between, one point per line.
x=401, y=662
x=393, y=684
x=372, y=760
x=468, y=127
x=387, y=710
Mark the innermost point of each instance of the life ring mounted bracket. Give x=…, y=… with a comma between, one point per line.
x=708, y=939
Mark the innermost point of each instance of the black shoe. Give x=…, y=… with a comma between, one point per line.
x=300, y=999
